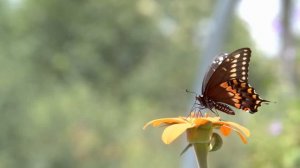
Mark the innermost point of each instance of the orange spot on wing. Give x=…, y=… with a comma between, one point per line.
x=229, y=88
x=224, y=85
x=230, y=94
x=235, y=100
x=237, y=105
x=243, y=85
x=237, y=96
x=246, y=109
x=233, y=91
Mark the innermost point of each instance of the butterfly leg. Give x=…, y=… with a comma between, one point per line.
x=215, y=112
x=196, y=110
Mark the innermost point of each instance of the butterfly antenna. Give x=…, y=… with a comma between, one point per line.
x=268, y=102
x=188, y=91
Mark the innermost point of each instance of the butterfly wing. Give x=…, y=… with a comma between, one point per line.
x=227, y=81
x=237, y=93
x=216, y=63
x=226, y=67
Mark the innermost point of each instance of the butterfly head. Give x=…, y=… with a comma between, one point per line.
x=202, y=101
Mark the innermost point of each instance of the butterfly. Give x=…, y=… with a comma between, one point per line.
x=226, y=83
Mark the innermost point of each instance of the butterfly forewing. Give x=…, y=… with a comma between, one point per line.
x=226, y=67
x=214, y=66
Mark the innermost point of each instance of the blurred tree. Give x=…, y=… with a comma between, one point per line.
x=79, y=73
x=80, y=78
x=287, y=50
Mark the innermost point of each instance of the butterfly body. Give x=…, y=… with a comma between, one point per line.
x=226, y=83
x=209, y=103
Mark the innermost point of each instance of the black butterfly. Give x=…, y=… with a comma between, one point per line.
x=226, y=83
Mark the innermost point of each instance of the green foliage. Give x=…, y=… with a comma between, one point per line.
x=80, y=78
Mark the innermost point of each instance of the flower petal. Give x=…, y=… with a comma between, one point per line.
x=242, y=129
x=173, y=131
x=213, y=119
x=243, y=132
x=200, y=121
x=243, y=138
x=226, y=130
x=234, y=126
x=158, y=122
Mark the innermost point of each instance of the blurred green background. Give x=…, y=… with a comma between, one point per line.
x=80, y=78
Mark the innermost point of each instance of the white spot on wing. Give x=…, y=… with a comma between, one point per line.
x=237, y=56
x=233, y=70
x=221, y=58
x=230, y=94
x=233, y=75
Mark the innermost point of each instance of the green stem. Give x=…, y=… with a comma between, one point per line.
x=201, y=150
x=200, y=137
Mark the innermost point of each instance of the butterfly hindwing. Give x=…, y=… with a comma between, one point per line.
x=240, y=95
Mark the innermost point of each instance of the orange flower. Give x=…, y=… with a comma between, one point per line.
x=177, y=126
